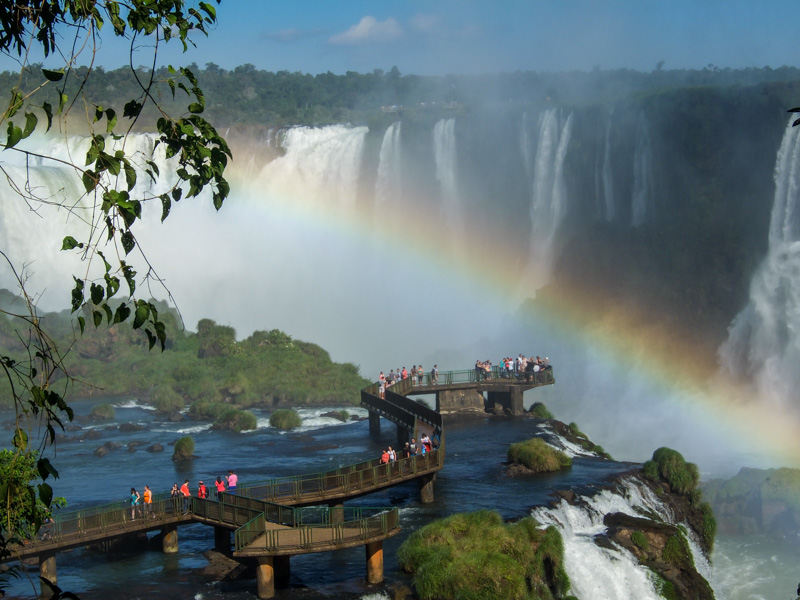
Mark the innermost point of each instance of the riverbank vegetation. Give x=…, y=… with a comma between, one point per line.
x=539, y=457
x=210, y=370
x=477, y=555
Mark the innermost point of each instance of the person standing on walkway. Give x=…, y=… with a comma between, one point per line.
x=135, y=497
x=147, y=496
x=202, y=490
x=220, y=485
x=232, y=480
x=186, y=495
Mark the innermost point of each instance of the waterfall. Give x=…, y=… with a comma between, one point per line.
x=607, y=178
x=596, y=571
x=319, y=164
x=444, y=153
x=763, y=344
x=548, y=201
x=642, y=199
x=388, y=186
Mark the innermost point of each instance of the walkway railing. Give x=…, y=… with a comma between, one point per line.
x=318, y=530
x=344, y=481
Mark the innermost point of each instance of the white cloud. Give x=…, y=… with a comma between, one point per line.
x=424, y=23
x=369, y=29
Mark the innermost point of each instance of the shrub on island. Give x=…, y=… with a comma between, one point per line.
x=540, y=411
x=103, y=411
x=668, y=466
x=166, y=400
x=184, y=448
x=285, y=419
x=235, y=420
x=538, y=456
x=477, y=555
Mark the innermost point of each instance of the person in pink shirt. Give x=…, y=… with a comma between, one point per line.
x=232, y=480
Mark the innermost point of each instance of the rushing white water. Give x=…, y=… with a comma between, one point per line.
x=763, y=344
x=444, y=153
x=388, y=187
x=600, y=573
x=548, y=203
x=318, y=162
x=642, y=200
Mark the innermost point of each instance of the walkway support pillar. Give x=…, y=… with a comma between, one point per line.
x=374, y=423
x=47, y=571
x=169, y=540
x=426, y=488
x=336, y=512
x=374, y=562
x=402, y=438
x=222, y=539
x=283, y=570
x=265, y=577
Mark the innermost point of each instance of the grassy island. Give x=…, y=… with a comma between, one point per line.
x=477, y=555
x=536, y=455
x=285, y=419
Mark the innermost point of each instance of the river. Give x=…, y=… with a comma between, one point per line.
x=473, y=478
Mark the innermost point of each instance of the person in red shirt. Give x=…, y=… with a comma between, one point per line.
x=220, y=486
x=186, y=495
x=202, y=490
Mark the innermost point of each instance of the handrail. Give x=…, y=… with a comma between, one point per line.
x=255, y=536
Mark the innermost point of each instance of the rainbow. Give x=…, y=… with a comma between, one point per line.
x=674, y=364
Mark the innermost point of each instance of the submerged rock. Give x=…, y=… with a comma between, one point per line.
x=106, y=448
x=155, y=448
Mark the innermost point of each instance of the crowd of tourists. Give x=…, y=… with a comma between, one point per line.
x=142, y=504
x=426, y=444
x=417, y=375
x=522, y=368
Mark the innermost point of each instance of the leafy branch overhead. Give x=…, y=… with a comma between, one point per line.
x=113, y=183
x=110, y=173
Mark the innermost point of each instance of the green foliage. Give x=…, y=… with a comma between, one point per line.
x=664, y=588
x=184, y=448
x=166, y=400
x=24, y=504
x=676, y=551
x=681, y=476
x=709, y=528
x=540, y=411
x=536, y=455
x=103, y=411
x=575, y=430
x=476, y=555
x=640, y=540
x=285, y=419
x=235, y=420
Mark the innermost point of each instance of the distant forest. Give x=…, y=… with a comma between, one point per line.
x=246, y=96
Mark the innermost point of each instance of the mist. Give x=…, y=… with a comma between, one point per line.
x=442, y=238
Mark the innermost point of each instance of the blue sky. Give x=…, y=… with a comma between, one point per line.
x=433, y=37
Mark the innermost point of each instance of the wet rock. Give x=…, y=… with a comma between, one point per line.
x=131, y=427
x=155, y=448
x=106, y=448
x=223, y=568
x=92, y=434
x=334, y=414
x=176, y=418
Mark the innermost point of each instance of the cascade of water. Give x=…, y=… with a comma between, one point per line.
x=58, y=205
x=607, y=177
x=642, y=200
x=444, y=152
x=388, y=186
x=548, y=195
x=598, y=572
x=763, y=342
x=319, y=164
